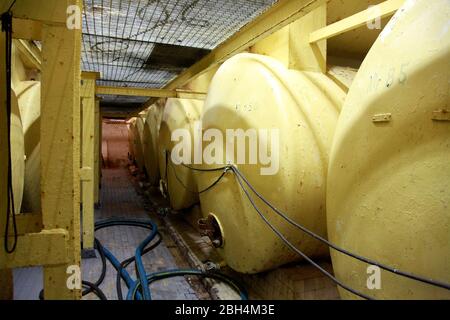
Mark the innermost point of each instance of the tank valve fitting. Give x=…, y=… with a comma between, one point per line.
x=210, y=228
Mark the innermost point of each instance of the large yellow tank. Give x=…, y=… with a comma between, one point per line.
x=138, y=130
x=251, y=91
x=177, y=179
x=17, y=153
x=388, y=195
x=29, y=95
x=150, y=136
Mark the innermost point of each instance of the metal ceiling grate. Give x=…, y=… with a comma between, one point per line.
x=127, y=40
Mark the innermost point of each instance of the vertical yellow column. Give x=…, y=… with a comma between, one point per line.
x=290, y=45
x=97, y=141
x=302, y=54
x=60, y=153
x=88, y=168
x=6, y=280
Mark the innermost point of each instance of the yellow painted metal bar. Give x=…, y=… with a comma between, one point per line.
x=136, y=92
x=60, y=142
x=279, y=15
x=33, y=249
x=355, y=21
x=302, y=54
x=50, y=11
x=87, y=173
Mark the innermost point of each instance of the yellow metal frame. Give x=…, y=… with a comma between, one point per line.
x=88, y=147
x=50, y=238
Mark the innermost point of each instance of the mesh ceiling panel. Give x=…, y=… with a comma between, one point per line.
x=147, y=43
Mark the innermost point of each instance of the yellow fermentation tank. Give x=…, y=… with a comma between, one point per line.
x=254, y=92
x=150, y=141
x=182, y=115
x=17, y=153
x=388, y=195
x=137, y=133
x=29, y=98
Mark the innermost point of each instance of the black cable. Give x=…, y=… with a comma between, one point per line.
x=11, y=6
x=337, y=248
x=225, y=169
x=6, y=19
x=290, y=245
x=94, y=288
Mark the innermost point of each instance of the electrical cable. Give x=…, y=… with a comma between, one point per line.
x=290, y=245
x=225, y=169
x=337, y=248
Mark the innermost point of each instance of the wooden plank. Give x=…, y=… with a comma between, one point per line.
x=50, y=11
x=34, y=249
x=303, y=55
x=60, y=141
x=87, y=94
x=27, y=29
x=97, y=138
x=279, y=15
x=355, y=21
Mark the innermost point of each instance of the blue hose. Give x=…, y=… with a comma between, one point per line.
x=144, y=279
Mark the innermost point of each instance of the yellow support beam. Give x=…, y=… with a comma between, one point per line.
x=148, y=92
x=279, y=15
x=30, y=54
x=47, y=247
x=87, y=94
x=355, y=21
x=60, y=140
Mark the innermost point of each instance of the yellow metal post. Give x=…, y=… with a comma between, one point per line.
x=88, y=104
x=60, y=153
